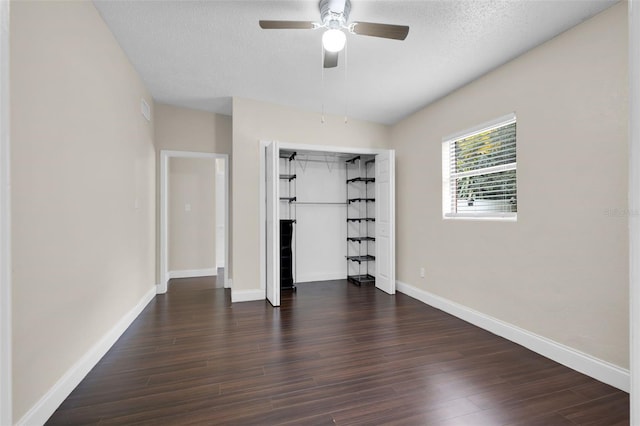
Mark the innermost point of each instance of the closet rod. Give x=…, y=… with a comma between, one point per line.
x=302, y=159
x=320, y=202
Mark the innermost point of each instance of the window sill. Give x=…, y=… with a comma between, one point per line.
x=499, y=217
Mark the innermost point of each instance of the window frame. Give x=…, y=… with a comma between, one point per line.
x=447, y=176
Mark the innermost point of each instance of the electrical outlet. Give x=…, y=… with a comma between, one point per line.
x=422, y=272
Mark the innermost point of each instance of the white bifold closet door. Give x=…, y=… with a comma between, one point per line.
x=272, y=186
x=385, y=222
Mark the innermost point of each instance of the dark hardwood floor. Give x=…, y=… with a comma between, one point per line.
x=333, y=353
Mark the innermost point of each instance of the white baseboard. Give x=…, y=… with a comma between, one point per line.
x=47, y=405
x=565, y=355
x=193, y=273
x=306, y=278
x=246, y=295
x=228, y=283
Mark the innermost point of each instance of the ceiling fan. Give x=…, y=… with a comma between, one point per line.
x=335, y=19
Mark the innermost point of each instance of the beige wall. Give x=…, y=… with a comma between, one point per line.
x=83, y=201
x=561, y=270
x=192, y=221
x=254, y=121
x=184, y=129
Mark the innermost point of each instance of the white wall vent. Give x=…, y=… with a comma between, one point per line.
x=145, y=109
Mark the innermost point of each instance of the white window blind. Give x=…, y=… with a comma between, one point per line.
x=479, y=171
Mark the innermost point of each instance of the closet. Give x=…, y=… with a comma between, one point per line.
x=329, y=214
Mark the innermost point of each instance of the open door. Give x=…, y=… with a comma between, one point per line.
x=385, y=222
x=272, y=218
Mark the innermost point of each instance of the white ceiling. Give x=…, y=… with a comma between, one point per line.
x=199, y=54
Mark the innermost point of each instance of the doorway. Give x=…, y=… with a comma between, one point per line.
x=194, y=173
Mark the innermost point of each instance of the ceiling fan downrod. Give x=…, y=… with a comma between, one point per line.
x=335, y=13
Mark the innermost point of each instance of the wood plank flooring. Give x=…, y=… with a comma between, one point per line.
x=332, y=354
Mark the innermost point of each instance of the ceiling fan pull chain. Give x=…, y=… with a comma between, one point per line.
x=322, y=78
x=346, y=86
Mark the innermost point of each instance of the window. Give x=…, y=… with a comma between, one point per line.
x=479, y=172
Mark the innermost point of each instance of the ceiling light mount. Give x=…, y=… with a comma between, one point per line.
x=335, y=12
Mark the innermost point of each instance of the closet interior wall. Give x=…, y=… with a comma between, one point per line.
x=319, y=209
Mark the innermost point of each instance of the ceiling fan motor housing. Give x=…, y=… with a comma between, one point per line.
x=335, y=13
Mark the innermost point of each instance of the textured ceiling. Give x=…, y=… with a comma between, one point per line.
x=199, y=54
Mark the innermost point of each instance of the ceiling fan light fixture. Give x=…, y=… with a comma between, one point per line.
x=333, y=40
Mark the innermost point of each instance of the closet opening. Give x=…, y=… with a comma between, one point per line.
x=329, y=214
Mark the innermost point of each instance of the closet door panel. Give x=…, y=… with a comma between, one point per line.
x=272, y=183
x=385, y=222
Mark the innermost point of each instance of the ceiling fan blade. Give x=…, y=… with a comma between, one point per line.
x=287, y=25
x=330, y=59
x=396, y=32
